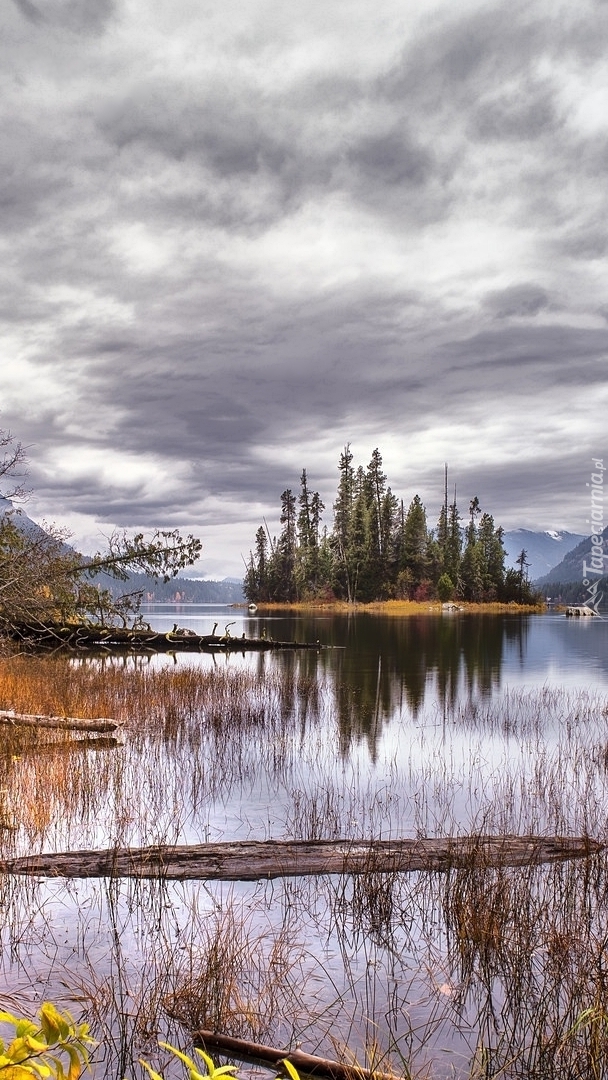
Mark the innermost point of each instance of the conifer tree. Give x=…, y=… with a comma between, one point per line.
x=453, y=551
x=415, y=554
x=286, y=586
x=343, y=514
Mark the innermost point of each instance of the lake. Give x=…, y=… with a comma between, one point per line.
x=435, y=725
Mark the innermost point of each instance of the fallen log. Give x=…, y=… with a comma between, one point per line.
x=71, y=723
x=308, y=1064
x=252, y=860
x=51, y=635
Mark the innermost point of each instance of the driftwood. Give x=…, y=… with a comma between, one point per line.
x=69, y=723
x=116, y=638
x=309, y=1064
x=252, y=860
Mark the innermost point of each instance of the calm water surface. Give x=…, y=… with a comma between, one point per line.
x=429, y=656
x=428, y=725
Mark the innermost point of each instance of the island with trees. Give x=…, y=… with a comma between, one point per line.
x=377, y=549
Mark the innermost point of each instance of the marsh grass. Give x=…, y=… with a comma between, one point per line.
x=243, y=978
x=496, y=972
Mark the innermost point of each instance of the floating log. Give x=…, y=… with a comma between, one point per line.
x=70, y=723
x=116, y=638
x=251, y=860
x=308, y=1064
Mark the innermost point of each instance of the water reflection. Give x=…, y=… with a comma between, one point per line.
x=405, y=728
x=378, y=666
x=375, y=668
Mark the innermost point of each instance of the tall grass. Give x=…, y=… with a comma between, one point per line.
x=495, y=972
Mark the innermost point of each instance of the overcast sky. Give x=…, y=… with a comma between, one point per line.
x=237, y=236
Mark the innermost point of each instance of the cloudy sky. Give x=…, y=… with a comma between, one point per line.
x=237, y=236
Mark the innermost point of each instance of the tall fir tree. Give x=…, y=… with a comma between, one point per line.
x=343, y=515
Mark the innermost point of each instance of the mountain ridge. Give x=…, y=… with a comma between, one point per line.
x=571, y=567
x=544, y=549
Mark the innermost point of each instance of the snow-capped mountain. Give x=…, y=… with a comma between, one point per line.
x=571, y=566
x=544, y=549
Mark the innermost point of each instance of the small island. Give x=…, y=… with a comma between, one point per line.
x=379, y=550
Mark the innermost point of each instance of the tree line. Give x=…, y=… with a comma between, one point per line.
x=377, y=549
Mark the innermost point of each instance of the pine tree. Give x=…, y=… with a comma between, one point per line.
x=415, y=555
x=453, y=552
x=309, y=525
x=343, y=513
x=492, y=552
x=286, y=586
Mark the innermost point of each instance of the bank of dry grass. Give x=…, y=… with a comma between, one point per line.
x=401, y=607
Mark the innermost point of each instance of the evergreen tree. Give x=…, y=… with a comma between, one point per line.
x=389, y=531
x=309, y=524
x=285, y=586
x=492, y=557
x=523, y=563
x=415, y=553
x=453, y=552
x=377, y=489
x=343, y=513
x=317, y=507
x=471, y=582
x=361, y=541
x=257, y=577
x=445, y=588
x=474, y=511
x=441, y=535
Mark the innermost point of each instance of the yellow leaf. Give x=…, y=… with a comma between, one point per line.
x=291, y=1069
x=152, y=1074
x=188, y=1062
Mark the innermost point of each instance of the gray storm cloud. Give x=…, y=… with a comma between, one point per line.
x=235, y=239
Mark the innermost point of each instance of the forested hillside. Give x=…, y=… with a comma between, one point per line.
x=377, y=548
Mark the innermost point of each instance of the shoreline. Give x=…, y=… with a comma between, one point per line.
x=401, y=607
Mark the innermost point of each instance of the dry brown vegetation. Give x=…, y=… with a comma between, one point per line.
x=401, y=607
x=496, y=972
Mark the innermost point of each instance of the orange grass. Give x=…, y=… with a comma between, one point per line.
x=402, y=607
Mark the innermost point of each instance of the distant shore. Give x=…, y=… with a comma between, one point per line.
x=401, y=607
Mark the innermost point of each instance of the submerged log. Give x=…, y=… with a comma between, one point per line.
x=308, y=1064
x=69, y=723
x=72, y=746
x=251, y=860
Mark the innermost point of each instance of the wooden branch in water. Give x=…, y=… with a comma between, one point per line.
x=309, y=1064
x=70, y=723
x=252, y=860
x=116, y=638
